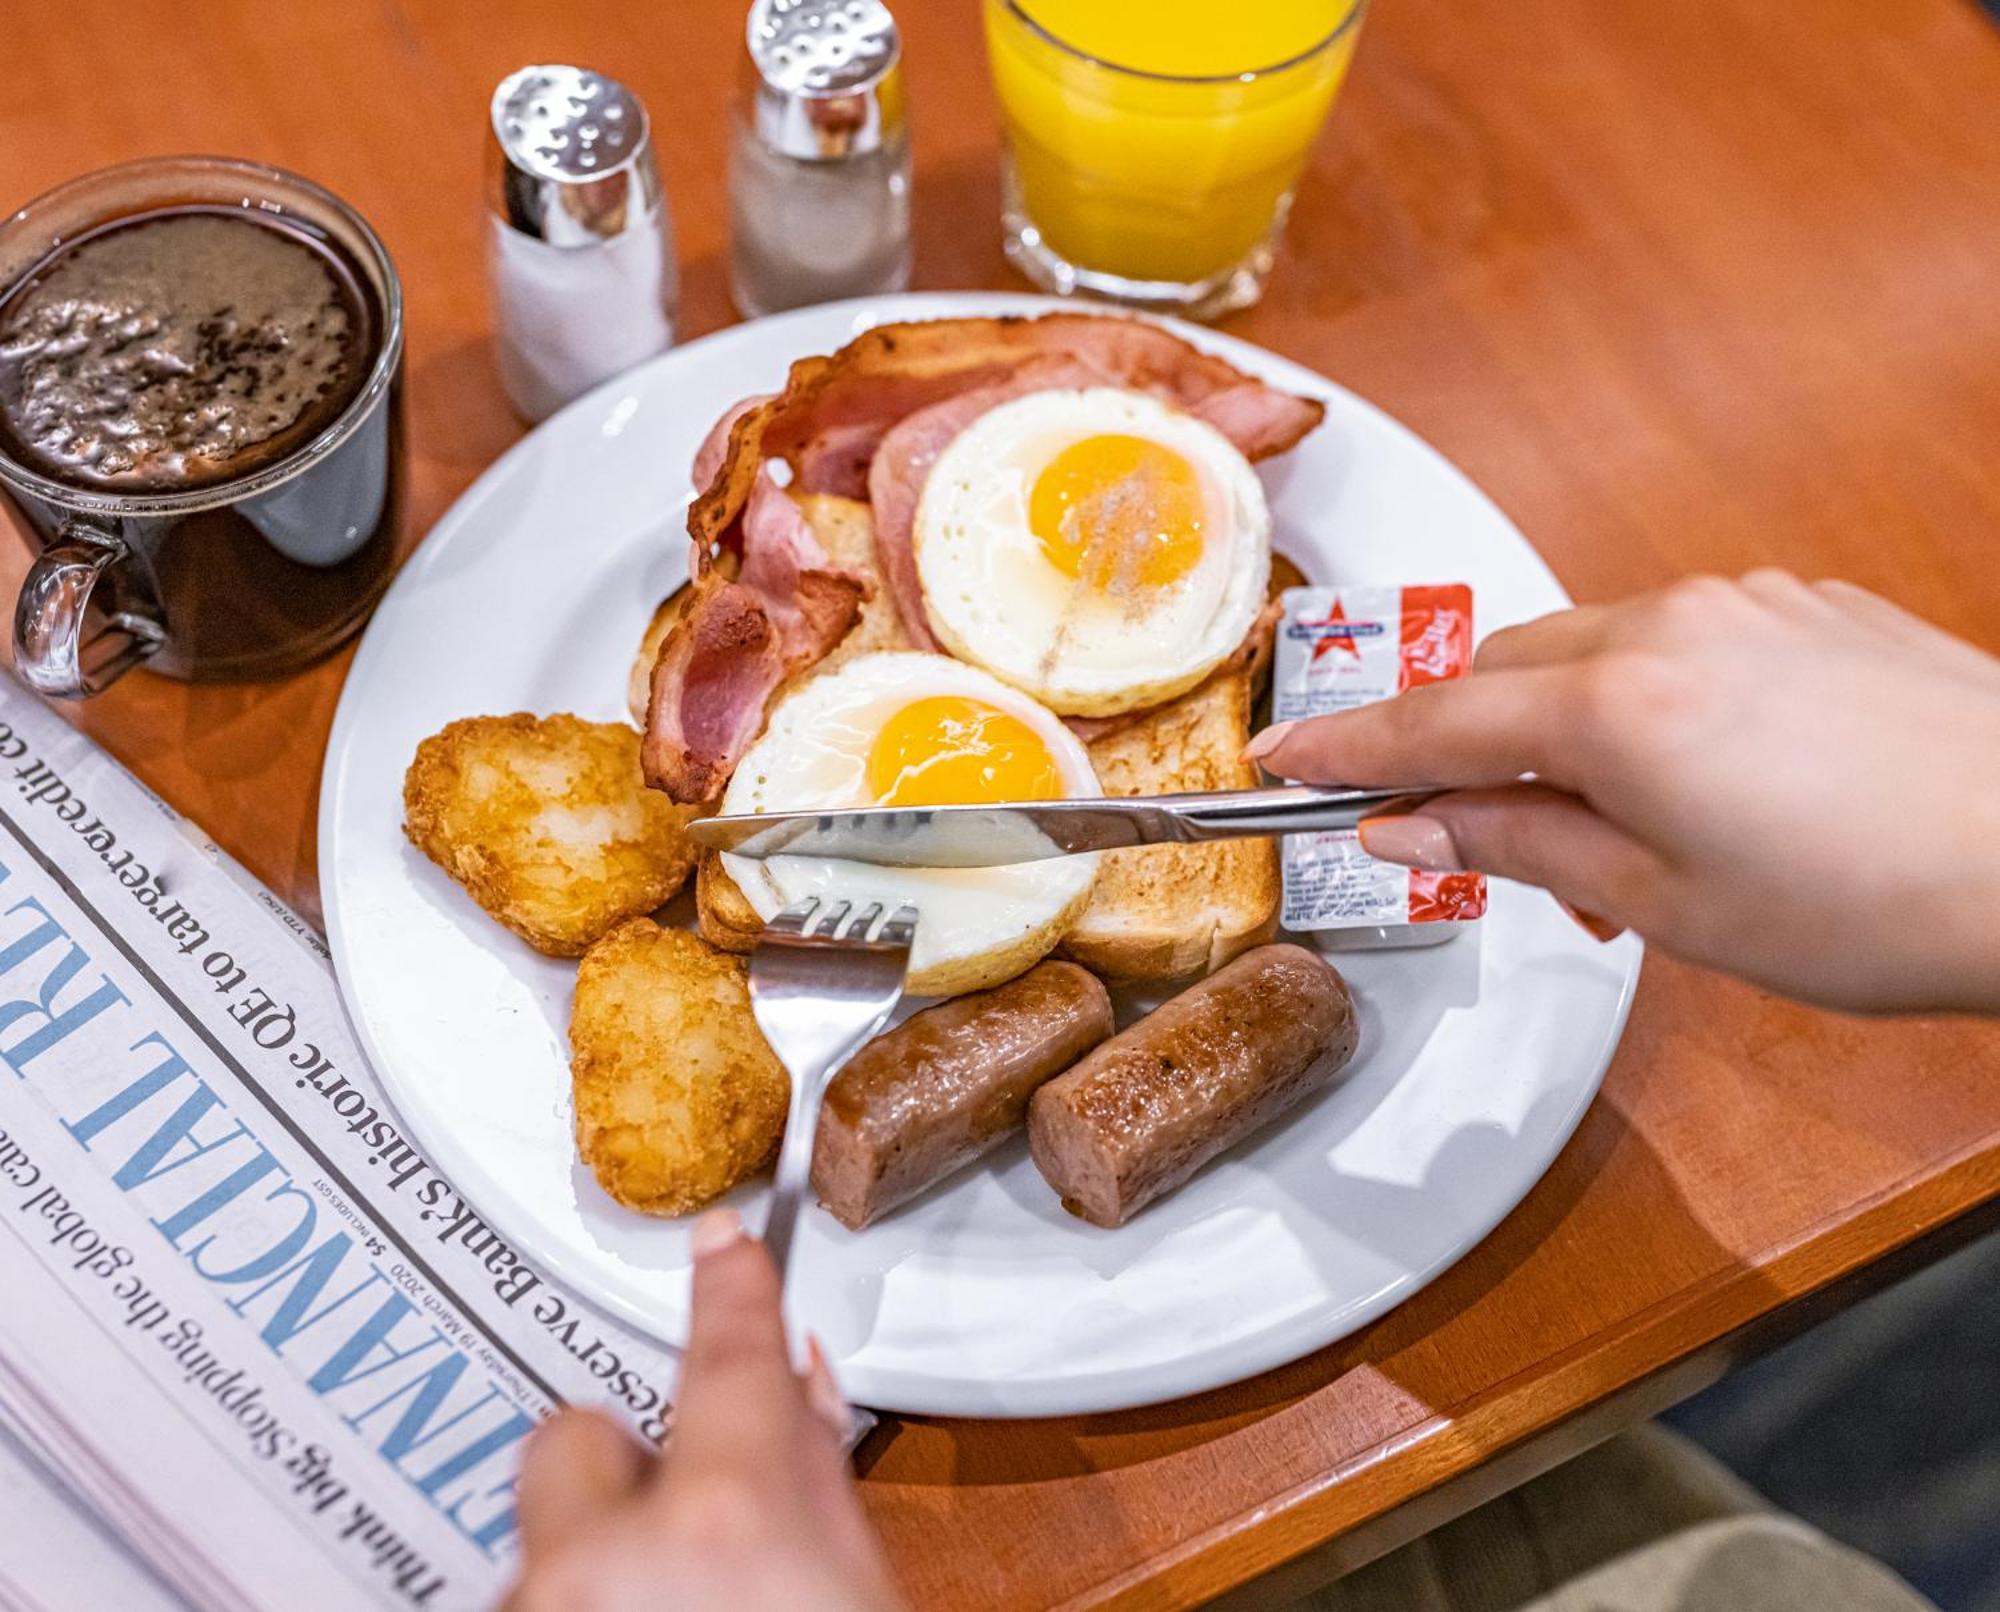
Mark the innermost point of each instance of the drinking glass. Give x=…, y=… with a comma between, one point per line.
x=1162, y=189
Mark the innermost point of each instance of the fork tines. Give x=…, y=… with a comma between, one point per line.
x=810, y=920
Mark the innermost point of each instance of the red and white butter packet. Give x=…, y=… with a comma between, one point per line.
x=1339, y=648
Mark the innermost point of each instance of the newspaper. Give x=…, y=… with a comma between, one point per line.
x=248, y=1326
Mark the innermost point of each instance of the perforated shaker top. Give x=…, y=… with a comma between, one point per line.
x=829, y=84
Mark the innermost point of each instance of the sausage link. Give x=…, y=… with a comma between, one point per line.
x=946, y=1084
x=1148, y=1108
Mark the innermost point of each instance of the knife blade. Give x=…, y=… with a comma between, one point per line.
x=1032, y=831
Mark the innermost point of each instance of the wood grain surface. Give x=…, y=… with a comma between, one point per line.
x=1702, y=286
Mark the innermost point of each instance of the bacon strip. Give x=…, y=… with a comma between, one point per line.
x=836, y=461
x=714, y=449
x=710, y=685
x=737, y=642
x=1259, y=419
x=810, y=603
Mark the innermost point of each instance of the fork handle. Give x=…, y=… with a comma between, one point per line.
x=794, y=1173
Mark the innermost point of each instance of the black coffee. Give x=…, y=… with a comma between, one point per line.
x=185, y=349
x=178, y=349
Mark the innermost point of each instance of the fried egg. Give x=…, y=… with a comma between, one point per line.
x=1096, y=549
x=905, y=729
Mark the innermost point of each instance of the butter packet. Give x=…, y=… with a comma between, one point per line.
x=1339, y=648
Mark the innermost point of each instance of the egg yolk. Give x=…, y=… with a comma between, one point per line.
x=1119, y=513
x=952, y=750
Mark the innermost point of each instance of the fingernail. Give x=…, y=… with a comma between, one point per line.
x=715, y=1231
x=1267, y=741
x=1412, y=839
x=1592, y=925
x=822, y=1392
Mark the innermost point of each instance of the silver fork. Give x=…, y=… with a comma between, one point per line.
x=821, y=984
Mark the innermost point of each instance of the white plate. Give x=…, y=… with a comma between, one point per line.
x=983, y=1297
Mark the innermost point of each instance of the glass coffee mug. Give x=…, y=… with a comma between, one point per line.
x=200, y=422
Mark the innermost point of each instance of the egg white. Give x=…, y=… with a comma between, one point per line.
x=993, y=598
x=978, y=926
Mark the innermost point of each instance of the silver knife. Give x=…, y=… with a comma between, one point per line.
x=1031, y=831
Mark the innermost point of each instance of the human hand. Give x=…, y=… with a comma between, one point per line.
x=749, y=1506
x=1796, y=783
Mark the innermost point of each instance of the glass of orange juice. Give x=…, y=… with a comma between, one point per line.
x=1152, y=146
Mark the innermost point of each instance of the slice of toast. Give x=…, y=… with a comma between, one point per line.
x=721, y=909
x=1169, y=911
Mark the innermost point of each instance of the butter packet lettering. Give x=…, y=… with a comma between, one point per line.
x=1339, y=648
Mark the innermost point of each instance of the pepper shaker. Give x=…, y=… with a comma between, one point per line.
x=580, y=247
x=820, y=170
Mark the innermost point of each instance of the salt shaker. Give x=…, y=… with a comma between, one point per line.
x=580, y=247
x=820, y=171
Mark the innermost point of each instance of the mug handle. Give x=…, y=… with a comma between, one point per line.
x=52, y=652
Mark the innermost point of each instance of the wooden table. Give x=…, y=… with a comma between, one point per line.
x=1685, y=287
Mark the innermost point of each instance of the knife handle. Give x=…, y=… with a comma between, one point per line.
x=1289, y=809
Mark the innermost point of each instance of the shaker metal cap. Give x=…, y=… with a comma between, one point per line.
x=575, y=155
x=829, y=76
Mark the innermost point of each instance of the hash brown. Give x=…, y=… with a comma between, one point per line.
x=678, y=1096
x=547, y=823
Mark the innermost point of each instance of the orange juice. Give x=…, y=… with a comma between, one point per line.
x=1158, y=141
